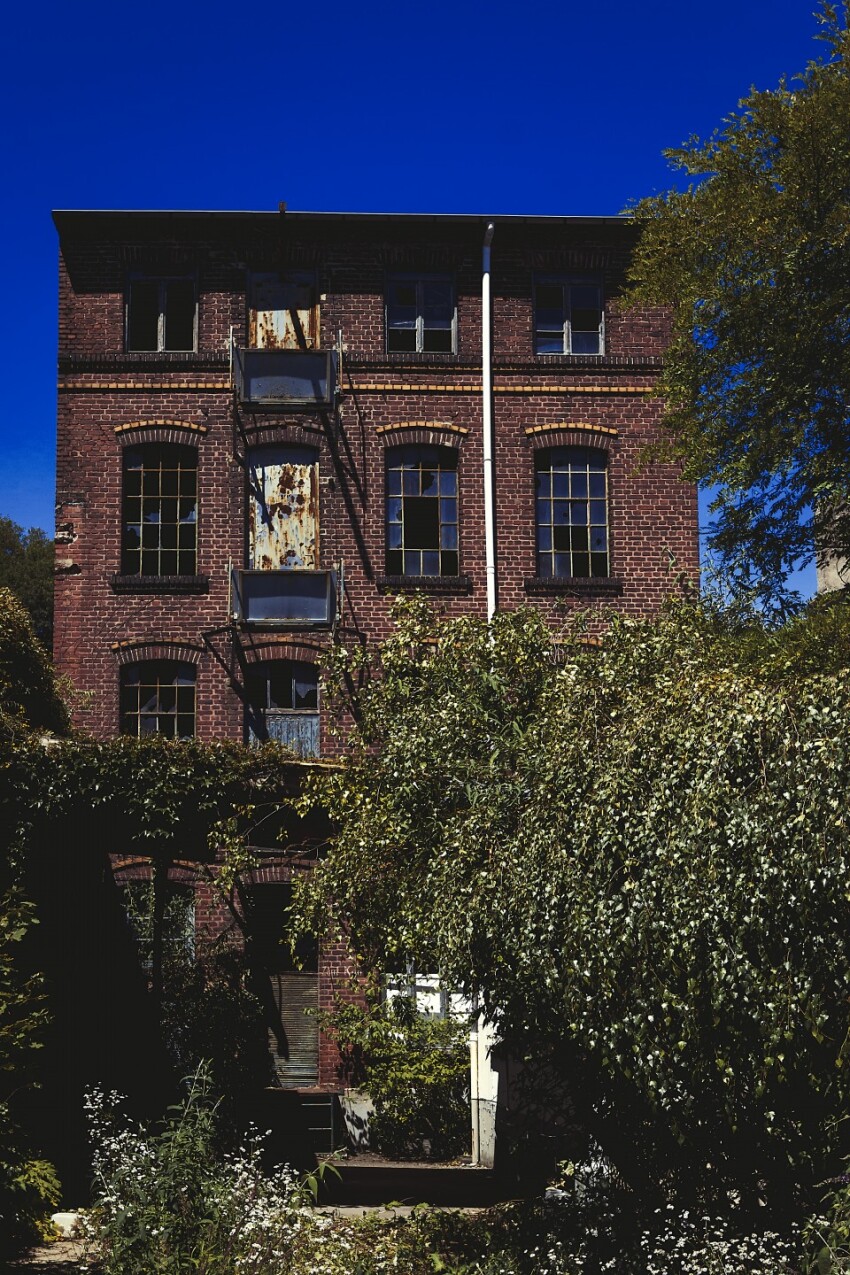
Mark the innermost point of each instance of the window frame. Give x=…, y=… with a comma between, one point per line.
x=399, y=452
x=180, y=922
x=187, y=452
x=143, y=668
x=420, y=280
x=256, y=714
x=567, y=282
x=162, y=280
x=545, y=462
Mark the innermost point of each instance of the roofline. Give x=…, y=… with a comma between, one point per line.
x=619, y=219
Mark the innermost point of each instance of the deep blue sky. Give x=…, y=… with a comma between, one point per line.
x=447, y=107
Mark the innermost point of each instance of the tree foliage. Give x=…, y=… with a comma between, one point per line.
x=29, y=703
x=753, y=259
x=29, y=698
x=26, y=567
x=638, y=854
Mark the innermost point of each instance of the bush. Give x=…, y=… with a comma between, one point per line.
x=637, y=854
x=170, y=1202
x=416, y=1070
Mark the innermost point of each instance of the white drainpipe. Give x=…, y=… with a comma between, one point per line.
x=482, y=1092
x=487, y=420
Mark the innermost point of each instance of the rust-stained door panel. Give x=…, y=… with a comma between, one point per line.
x=283, y=508
x=283, y=313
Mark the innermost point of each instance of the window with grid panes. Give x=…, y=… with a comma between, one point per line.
x=158, y=698
x=160, y=510
x=572, y=512
x=568, y=316
x=420, y=315
x=161, y=314
x=422, y=523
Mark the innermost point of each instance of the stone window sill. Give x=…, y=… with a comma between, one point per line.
x=160, y=584
x=574, y=586
x=450, y=586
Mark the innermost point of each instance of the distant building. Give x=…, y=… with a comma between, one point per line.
x=270, y=424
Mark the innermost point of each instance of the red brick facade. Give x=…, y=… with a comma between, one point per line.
x=110, y=399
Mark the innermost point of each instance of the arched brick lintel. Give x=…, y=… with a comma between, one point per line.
x=265, y=651
x=283, y=432
x=160, y=430
x=567, y=434
x=156, y=648
x=424, y=433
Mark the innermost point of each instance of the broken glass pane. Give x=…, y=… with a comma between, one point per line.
x=143, y=315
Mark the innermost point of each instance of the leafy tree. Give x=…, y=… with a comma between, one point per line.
x=638, y=854
x=29, y=698
x=29, y=702
x=26, y=567
x=753, y=260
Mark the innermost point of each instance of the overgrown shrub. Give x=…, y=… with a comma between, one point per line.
x=827, y=1233
x=415, y=1068
x=211, y=1013
x=170, y=1201
x=29, y=699
x=637, y=853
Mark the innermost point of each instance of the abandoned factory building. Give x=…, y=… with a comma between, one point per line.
x=271, y=424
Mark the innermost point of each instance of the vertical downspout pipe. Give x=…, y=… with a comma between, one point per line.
x=487, y=420
x=490, y=560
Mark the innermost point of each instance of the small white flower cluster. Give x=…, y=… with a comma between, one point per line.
x=167, y=1202
x=702, y=1245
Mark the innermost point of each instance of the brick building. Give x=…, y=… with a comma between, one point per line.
x=270, y=424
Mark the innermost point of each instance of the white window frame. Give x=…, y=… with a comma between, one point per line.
x=162, y=280
x=567, y=283
x=420, y=280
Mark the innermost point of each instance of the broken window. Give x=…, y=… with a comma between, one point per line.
x=158, y=698
x=422, y=522
x=572, y=512
x=161, y=314
x=283, y=704
x=421, y=315
x=160, y=510
x=568, y=316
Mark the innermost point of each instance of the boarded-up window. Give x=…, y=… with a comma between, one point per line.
x=283, y=508
x=283, y=312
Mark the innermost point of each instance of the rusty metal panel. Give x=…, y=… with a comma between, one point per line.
x=283, y=508
x=283, y=312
